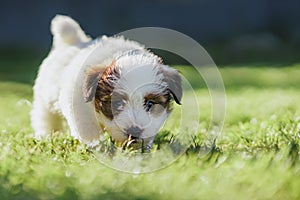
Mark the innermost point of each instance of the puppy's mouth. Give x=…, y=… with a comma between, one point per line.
x=132, y=142
x=136, y=143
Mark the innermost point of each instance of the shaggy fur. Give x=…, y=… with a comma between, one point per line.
x=107, y=84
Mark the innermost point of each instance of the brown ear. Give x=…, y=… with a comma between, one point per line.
x=92, y=76
x=173, y=79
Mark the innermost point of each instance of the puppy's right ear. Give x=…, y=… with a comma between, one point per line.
x=92, y=76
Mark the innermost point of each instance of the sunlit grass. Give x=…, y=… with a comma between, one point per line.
x=256, y=157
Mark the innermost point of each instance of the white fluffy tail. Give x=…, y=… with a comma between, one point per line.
x=66, y=31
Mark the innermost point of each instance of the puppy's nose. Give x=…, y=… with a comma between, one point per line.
x=135, y=131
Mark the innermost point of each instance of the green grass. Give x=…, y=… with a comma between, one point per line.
x=257, y=156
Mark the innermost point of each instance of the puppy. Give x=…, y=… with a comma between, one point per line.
x=108, y=85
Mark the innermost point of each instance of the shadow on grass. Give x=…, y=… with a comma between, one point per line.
x=17, y=193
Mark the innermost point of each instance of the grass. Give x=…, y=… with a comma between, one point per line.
x=257, y=156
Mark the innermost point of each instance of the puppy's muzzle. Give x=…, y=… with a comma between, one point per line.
x=134, y=132
x=133, y=138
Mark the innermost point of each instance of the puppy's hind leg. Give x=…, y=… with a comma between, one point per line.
x=43, y=121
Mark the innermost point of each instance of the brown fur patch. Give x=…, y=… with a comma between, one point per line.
x=92, y=76
x=161, y=102
x=104, y=91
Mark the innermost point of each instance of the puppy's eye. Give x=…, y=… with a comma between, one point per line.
x=149, y=104
x=118, y=104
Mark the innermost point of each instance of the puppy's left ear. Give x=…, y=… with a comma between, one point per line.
x=92, y=76
x=173, y=79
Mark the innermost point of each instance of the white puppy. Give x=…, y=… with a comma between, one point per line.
x=107, y=84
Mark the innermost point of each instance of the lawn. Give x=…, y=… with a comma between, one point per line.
x=256, y=157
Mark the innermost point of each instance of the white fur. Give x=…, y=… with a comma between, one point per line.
x=58, y=87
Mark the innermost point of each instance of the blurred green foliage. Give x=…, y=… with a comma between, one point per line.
x=257, y=156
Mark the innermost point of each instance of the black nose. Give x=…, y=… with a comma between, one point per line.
x=134, y=131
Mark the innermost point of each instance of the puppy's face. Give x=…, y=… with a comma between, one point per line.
x=133, y=102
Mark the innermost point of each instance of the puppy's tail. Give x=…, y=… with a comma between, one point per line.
x=66, y=31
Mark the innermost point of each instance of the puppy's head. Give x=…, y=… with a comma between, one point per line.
x=133, y=98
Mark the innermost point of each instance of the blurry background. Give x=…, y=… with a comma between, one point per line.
x=234, y=32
